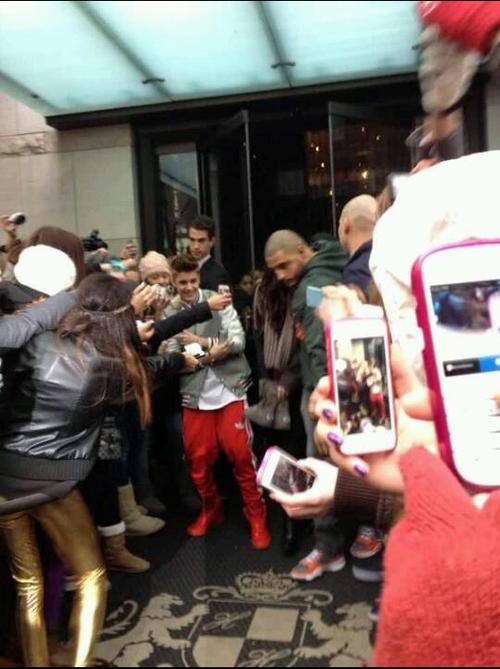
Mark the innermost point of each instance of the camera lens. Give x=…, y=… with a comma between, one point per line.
x=17, y=218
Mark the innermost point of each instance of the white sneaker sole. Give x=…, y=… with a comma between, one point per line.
x=367, y=576
x=331, y=568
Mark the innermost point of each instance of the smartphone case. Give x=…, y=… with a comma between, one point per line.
x=265, y=464
x=429, y=354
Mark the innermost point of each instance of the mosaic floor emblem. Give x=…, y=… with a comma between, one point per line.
x=263, y=620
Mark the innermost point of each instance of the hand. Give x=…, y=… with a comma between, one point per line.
x=7, y=226
x=192, y=363
x=160, y=304
x=129, y=251
x=281, y=393
x=220, y=302
x=415, y=427
x=100, y=253
x=220, y=351
x=142, y=298
x=129, y=263
x=342, y=302
x=146, y=331
x=445, y=71
x=187, y=337
x=318, y=500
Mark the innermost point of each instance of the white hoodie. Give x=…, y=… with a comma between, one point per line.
x=453, y=201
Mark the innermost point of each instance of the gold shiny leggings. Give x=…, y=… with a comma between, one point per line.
x=69, y=527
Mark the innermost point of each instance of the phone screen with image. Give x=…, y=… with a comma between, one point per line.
x=466, y=336
x=362, y=385
x=279, y=471
x=291, y=479
x=363, y=392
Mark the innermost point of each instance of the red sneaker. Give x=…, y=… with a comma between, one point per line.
x=316, y=564
x=368, y=543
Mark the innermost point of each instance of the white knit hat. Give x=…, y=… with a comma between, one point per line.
x=45, y=269
x=153, y=263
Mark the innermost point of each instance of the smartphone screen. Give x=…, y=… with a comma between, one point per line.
x=289, y=478
x=362, y=382
x=466, y=335
x=314, y=296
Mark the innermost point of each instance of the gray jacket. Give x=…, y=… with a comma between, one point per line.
x=17, y=329
x=233, y=372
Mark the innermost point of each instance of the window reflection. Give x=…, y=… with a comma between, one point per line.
x=179, y=193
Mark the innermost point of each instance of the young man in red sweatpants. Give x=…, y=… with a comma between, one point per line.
x=214, y=400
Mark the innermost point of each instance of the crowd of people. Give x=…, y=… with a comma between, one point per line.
x=113, y=363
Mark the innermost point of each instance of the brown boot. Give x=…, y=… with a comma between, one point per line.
x=136, y=524
x=118, y=558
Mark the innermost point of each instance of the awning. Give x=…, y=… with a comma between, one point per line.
x=66, y=56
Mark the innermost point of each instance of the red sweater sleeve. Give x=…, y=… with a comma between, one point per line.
x=441, y=597
x=471, y=24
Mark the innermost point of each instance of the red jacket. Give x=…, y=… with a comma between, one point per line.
x=471, y=24
x=441, y=598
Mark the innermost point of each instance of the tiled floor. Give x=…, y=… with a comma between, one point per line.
x=216, y=602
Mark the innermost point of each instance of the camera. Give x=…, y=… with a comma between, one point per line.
x=18, y=218
x=93, y=242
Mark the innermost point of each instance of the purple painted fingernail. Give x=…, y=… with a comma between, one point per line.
x=335, y=438
x=360, y=469
x=328, y=414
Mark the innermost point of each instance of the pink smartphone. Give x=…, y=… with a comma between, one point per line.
x=280, y=472
x=457, y=289
x=360, y=377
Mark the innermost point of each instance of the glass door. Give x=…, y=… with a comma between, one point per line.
x=225, y=181
x=366, y=145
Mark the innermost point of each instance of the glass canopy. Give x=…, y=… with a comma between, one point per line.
x=65, y=56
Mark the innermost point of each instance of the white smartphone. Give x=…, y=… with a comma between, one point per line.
x=280, y=472
x=223, y=289
x=195, y=350
x=362, y=384
x=161, y=292
x=457, y=288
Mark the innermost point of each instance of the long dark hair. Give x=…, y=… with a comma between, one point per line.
x=275, y=300
x=104, y=318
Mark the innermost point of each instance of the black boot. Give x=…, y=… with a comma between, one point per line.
x=289, y=538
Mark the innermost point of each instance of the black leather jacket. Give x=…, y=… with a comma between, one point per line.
x=52, y=408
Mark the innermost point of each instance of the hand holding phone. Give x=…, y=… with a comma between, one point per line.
x=280, y=472
x=314, y=296
x=316, y=500
x=457, y=288
x=195, y=350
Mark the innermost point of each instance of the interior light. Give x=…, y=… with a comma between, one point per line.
x=364, y=174
x=317, y=149
x=323, y=165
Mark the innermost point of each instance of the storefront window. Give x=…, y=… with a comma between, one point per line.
x=179, y=193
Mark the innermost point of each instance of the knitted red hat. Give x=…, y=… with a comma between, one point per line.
x=441, y=598
x=471, y=24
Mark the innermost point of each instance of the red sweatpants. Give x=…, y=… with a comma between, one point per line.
x=377, y=402
x=205, y=432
